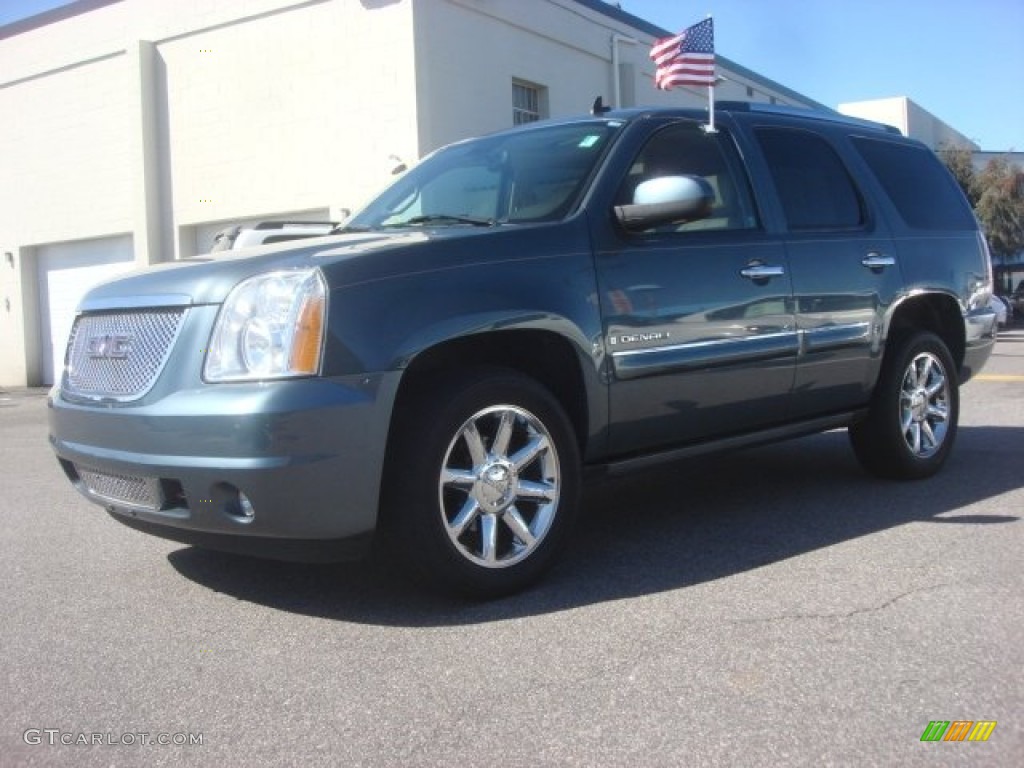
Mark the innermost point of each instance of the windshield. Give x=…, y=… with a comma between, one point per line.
x=523, y=176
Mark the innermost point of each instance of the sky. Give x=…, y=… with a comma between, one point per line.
x=12, y=10
x=961, y=60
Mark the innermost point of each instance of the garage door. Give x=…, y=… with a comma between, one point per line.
x=66, y=272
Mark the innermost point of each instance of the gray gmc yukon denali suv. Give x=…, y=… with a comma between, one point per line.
x=603, y=292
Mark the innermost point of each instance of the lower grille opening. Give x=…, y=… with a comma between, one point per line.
x=173, y=494
x=129, y=490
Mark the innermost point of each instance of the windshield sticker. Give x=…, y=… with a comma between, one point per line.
x=588, y=141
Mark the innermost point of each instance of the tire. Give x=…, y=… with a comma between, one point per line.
x=482, y=486
x=912, y=421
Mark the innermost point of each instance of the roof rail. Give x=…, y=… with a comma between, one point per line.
x=281, y=223
x=812, y=114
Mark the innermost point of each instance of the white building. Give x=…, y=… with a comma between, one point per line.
x=981, y=159
x=133, y=130
x=912, y=120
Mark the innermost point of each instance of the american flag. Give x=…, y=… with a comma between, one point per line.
x=687, y=58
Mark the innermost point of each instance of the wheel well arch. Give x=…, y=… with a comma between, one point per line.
x=935, y=312
x=548, y=357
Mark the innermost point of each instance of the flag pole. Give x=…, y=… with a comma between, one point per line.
x=711, y=100
x=711, y=108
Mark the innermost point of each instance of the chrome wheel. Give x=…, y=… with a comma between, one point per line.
x=482, y=486
x=924, y=405
x=499, y=486
x=911, y=425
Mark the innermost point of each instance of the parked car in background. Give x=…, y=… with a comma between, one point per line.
x=1017, y=299
x=1011, y=312
x=266, y=232
x=1002, y=309
x=520, y=312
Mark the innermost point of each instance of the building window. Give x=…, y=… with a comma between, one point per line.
x=528, y=102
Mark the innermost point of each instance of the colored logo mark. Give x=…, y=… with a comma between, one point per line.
x=958, y=730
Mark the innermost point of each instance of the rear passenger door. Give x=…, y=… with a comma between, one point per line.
x=697, y=316
x=843, y=267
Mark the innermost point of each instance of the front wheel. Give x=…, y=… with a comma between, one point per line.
x=912, y=421
x=482, y=486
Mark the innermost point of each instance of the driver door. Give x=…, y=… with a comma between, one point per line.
x=698, y=316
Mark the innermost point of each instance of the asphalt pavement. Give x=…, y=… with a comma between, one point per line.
x=772, y=607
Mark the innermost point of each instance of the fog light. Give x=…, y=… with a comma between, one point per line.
x=234, y=503
x=245, y=507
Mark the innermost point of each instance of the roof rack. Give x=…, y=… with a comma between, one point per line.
x=813, y=114
x=282, y=223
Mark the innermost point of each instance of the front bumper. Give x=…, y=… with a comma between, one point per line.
x=305, y=455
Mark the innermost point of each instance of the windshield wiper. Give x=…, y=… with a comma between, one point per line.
x=449, y=218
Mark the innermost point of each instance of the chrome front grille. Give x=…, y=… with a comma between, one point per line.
x=124, y=489
x=118, y=355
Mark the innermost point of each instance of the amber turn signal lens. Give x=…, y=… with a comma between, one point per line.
x=305, y=357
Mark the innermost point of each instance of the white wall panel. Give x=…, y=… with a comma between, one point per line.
x=278, y=112
x=64, y=149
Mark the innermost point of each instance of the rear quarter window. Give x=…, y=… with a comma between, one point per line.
x=923, y=192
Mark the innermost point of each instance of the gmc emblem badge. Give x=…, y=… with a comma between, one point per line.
x=109, y=346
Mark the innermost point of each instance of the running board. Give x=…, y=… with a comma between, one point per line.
x=749, y=440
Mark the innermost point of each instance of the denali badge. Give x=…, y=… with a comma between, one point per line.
x=109, y=346
x=630, y=338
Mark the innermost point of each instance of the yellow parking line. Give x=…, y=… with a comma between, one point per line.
x=998, y=377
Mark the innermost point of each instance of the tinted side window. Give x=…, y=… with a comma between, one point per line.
x=922, y=190
x=686, y=149
x=812, y=183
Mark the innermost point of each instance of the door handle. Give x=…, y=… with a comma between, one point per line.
x=759, y=272
x=876, y=262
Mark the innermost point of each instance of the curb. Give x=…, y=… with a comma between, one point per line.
x=22, y=393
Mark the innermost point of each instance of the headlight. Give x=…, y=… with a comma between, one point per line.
x=270, y=326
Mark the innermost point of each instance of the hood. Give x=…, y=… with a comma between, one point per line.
x=208, y=279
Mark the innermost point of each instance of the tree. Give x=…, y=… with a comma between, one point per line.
x=959, y=161
x=1000, y=207
x=997, y=197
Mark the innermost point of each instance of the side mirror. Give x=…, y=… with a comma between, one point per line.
x=666, y=200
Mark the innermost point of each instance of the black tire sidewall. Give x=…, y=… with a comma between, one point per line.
x=432, y=420
x=878, y=440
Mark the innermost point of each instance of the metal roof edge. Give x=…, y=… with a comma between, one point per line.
x=51, y=16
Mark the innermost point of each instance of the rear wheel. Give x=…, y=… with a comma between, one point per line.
x=912, y=421
x=483, y=484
